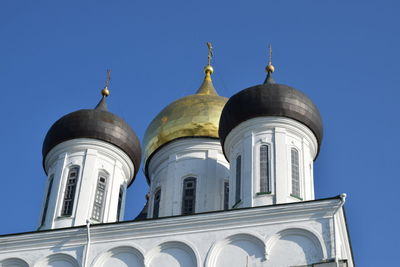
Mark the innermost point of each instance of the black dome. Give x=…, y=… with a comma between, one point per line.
x=98, y=124
x=270, y=99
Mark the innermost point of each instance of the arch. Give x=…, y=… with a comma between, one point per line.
x=122, y=256
x=236, y=250
x=172, y=254
x=306, y=247
x=13, y=262
x=58, y=260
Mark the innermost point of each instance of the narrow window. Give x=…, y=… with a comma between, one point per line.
x=264, y=169
x=120, y=198
x=238, y=178
x=46, y=204
x=157, y=198
x=295, y=172
x=69, y=194
x=98, y=204
x=226, y=195
x=189, y=196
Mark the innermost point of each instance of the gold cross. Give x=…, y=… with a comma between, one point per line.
x=210, y=52
x=270, y=54
x=108, y=77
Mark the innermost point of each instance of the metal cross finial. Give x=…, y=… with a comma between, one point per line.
x=108, y=77
x=270, y=54
x=210, y=52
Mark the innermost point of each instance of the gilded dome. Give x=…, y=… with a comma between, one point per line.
x=191, y=116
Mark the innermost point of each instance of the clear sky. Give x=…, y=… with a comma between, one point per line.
x=343, y=54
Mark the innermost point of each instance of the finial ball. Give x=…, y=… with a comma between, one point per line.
x=208, y=69
x=270, y=68
x=105, y=92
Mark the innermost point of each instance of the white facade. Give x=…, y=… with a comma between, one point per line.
x=258, y=210
x=198, y=158
x=272, y=236
x=92, y=160
x=281, y=136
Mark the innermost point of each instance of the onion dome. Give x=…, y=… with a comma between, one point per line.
x=191, y=116
x=270, y=99
x=97, y=123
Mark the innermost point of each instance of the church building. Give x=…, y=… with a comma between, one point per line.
x=231, y=184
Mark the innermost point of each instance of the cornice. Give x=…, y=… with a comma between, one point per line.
x=170, y=226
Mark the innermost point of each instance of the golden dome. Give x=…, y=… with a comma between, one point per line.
x=191, y=116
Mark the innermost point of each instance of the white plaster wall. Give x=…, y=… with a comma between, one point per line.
x=280, y=134
x=201, y=158
x=280, y=236
x=92, y=156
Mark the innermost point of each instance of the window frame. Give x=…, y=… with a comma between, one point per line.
x=121, y=195
x=183, y=208
x=225, y=196
x=101, y=174
x=269, y=169
x=297, y=194
x=63, y=213
x=238, y=179
x=156, y=203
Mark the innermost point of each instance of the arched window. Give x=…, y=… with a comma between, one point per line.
x=189, y=196
x=264, y=169
x=156, y=206
x=120, y=198
x=226, y=195
x=295, y=172
x=70, y=188
x=99, y=198
x=46, y=204
x=238, y=178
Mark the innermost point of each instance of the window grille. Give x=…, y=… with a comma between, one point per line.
x=120, y=198
x=238, y=178
x=69, y=194
x=226, y=195
x=156, y=208
x=264, y=169
x=46, y=204
x=189, y=196
x=295, y=172
x=99, y=199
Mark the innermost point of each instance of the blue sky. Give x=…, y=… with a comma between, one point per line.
x=343, y=54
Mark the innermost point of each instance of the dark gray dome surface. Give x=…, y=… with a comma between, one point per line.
x=270, y=99
x=97, y=124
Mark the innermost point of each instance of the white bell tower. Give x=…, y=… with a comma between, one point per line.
x=90, y=156
x=271, y=135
